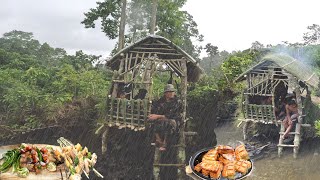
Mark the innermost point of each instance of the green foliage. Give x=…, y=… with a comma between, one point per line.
x=173, y=23
x=109, y=12
x=236, y=64
x=313, y=36
x=317, y=126
x=36, y=82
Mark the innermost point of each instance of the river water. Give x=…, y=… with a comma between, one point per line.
x=305, y=167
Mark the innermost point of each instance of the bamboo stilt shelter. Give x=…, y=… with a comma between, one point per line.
x=134, y=67
x=272, y=77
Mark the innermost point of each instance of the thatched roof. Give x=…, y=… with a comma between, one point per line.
x=303, y=72
x=164, y=49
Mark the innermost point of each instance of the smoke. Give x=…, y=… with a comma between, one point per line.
x=299, y=52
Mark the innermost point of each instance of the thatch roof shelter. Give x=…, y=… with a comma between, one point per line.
x=305, y=73
x=164, y=50
x=134, y=68
x=268, y=85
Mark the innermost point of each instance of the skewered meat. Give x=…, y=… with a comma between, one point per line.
x=94, y=158
x=86, y=165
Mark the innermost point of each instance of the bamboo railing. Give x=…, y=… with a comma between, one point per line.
x=126, y=113
x=260, y=113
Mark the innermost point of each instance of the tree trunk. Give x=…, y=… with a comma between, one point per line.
x=122, y=24
x=153, y=16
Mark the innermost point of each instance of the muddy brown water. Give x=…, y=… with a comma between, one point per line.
x=305, y=167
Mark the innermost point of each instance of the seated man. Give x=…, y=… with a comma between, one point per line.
x=291, y=116
x=166, y=116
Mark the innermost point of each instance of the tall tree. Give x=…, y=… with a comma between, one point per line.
x=173, y=23
x=256, y=46
x=211, y=50
x=313, y=36
x=19, y=41
x=122, y=24
x=109, y=13
x=153, y=16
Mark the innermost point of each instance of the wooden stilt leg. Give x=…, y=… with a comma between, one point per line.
x=280, y=148
x=245, y=131
x=181, y=155
x=156, y=169
x=296, y=140
x=104, y=141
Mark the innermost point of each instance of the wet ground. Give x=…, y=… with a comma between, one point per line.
x=305, y=167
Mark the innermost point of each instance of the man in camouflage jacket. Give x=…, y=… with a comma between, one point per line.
x=165, y=116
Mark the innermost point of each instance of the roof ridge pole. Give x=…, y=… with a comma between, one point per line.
x=153, y=17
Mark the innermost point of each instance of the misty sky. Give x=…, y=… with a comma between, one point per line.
x=228, y=24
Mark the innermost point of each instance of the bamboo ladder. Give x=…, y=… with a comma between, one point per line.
x=297, y=132
x=181, y=155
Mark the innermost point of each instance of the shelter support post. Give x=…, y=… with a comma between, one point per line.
x=245, y=127
x=156, y=169
x=298, y=125
x=181, y=158
x=104, y=141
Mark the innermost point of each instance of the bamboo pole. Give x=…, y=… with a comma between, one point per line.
x=111, y=109
x=156, y=169
x=124, y=110
x=300, y=120
x=126, y=67
x=181, y=149
x=138, y=111
x=280, y=148
x=118, y=111
x=132, y=112
x=104, y=140
x=107, y=109
x=147, y=108
x=139, y=69
x=134, y=67
x=245, y=127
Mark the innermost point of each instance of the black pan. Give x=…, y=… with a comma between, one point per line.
x=196, y=159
